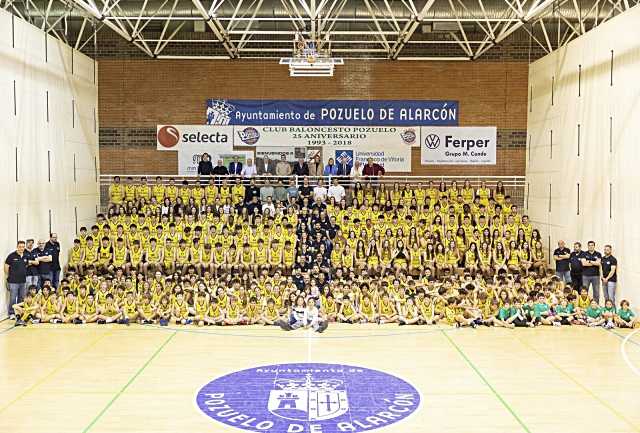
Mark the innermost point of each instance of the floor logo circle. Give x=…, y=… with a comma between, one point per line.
x=308, y=398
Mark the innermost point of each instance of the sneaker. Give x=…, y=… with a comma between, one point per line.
x=35, y=321
x=188, y=322
x=20, y=322
x=164, y=322
x=557, y=324
x=77, y=321
x=56, y=321
x=609, y=325
x=12, y=317
x=474, y=325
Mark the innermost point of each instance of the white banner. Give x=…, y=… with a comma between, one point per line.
x=388, y=146
x=458, y=145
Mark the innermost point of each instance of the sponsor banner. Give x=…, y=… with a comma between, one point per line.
x=388, y=146
x=459, y=145
x=291, y=112
x=275, y=153
x=177, y=137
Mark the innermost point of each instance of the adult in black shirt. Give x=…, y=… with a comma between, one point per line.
x=561, y=255
x=609, y=275
x=220, y=170
x=251, y=191
x=45, y=266
x=591, y=269
x=306, y=190
x=301, y=168
x=54, y=247
x=575, y=266
x=32, y=264
x=205, y=167
x=15, y=269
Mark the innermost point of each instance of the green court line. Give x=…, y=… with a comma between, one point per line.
x=133, y=378
x=580, y=385
x=486, y=382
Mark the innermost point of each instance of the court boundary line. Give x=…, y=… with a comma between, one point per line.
x=580, y=385
x=486, y=382
x=129, y=382
x=49, y=375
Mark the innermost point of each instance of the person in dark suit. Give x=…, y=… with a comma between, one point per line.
x=344, y=168
x=204, y=166
x=301, y=168
x=266, y=166
x=235, y=167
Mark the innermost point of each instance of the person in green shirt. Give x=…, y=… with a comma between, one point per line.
x=501, y=319
x=563, y=313
x=594, y=315
x=519, y=316
x=608, y=314
x=625, y=318
x=542, y=312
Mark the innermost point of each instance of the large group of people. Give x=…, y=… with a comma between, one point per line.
x=233, y=250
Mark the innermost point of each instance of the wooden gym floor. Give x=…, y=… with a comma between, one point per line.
x=111, y=378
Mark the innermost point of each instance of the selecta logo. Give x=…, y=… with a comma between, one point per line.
x=168, y=136
x=308, y=398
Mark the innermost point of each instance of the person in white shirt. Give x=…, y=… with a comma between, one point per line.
x=356, y=170
x=320, y=191
x=305, y=318
x=249, y=169
x=269, y=205
x=336, y=191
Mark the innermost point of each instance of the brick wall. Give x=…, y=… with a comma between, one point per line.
x=136, y=95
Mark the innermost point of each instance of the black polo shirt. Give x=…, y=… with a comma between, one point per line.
x=44, y=267
x=591, y=271
x=17, y=268
x=575, y=263
x=607, y=263
x=32, y=270
x=562, y=265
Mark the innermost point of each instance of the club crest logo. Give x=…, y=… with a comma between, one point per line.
x=219, y=112
x=308, y=397
x=249, y=135
x=408, y=136
x=432, y=141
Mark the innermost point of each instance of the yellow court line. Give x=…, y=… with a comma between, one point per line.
x=615, y=411
x=55, y=370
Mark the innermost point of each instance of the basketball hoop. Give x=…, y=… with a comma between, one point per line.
x=308, y=61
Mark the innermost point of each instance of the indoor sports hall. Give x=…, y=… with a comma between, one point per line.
x=319, y=216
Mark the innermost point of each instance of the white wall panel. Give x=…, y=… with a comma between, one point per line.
x=45, y=146
x=607, y=165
